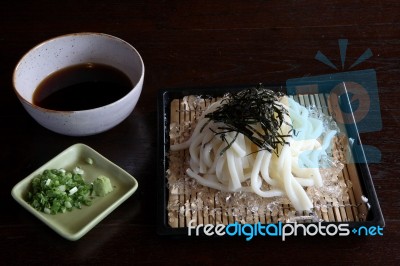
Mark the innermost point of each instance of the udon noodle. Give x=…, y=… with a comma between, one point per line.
x=245, y=167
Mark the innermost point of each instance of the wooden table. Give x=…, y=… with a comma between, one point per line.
x=195, y=44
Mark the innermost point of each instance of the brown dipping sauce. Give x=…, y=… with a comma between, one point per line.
x=82, y=87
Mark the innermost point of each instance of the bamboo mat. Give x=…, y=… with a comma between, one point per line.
x=189, y=201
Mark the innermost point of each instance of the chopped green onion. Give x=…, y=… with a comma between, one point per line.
x=73, y=190
x=57, y=190
x=78, y=170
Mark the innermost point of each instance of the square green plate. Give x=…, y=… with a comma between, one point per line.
x=73, y=225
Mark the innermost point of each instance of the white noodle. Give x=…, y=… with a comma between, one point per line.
x=235, y=180
x=286, y=172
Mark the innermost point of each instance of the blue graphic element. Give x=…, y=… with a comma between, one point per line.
x=361, y=89
x=367, y=54
x=343, y=48
x=322, y=58
x=352, y=97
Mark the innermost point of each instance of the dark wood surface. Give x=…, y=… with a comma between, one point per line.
x=194, y=44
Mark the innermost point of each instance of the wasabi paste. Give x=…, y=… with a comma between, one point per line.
x=102, y=186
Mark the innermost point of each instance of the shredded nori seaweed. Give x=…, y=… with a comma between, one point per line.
x=241, y=111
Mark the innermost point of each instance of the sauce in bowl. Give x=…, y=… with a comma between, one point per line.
x=82, y=87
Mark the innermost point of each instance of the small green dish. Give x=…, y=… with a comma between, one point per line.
x=75, y=224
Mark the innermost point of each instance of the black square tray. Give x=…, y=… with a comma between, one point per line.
x=165, y=97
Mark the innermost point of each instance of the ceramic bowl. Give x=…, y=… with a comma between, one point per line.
x=73, y=49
